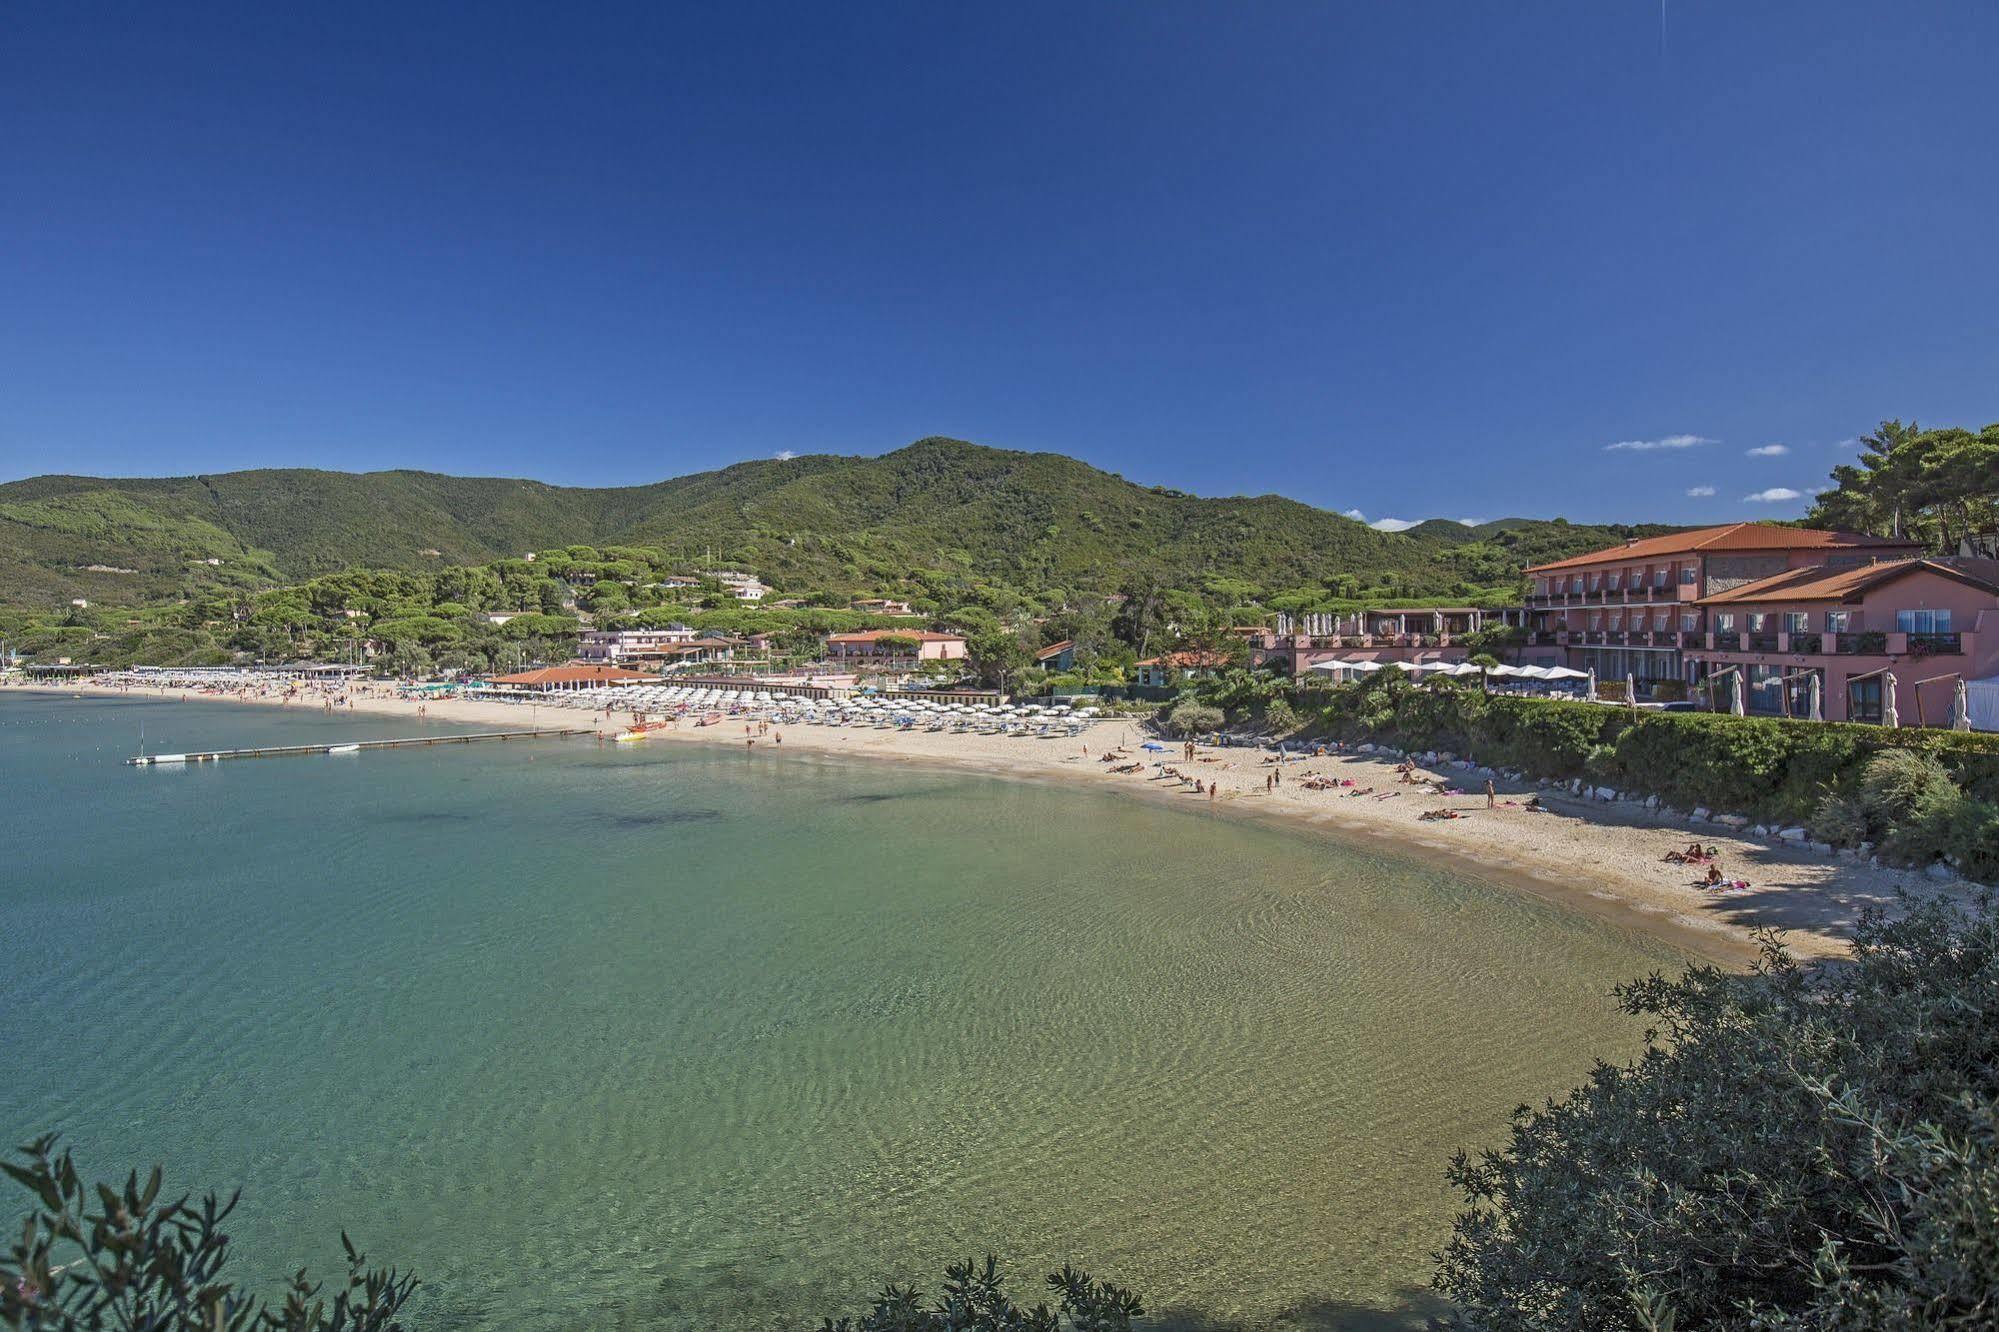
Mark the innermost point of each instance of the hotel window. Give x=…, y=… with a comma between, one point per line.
x=1922, y=622
x=1863, y=699
x=1659, y=577
x=1688, y=577
x=1724, y=622
x=1595, y=620
x=1836, y=621
x=1576, y=583
x=1757, y=620
x=1796, y=622
x=1689, y=623
x=1612, y=583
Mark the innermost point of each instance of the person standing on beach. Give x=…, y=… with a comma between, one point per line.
x=1491, y=794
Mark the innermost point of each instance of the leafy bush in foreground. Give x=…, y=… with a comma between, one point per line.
x=1794, y=1150
x=141, y=1265
x=975, y=1300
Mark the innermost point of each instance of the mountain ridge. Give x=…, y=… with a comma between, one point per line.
x=1024, y=518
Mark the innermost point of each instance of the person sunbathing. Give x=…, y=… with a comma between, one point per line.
x=1432, y=814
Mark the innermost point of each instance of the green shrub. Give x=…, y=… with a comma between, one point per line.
x=1279, y=717
x=1840, y=821
x=1894, y=782
x=1192, y=718
x=1799, y=1150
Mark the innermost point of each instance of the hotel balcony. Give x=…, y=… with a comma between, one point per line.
x=1617, y=596
x=1858, y=643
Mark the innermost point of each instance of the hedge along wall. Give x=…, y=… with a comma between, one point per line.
x=1770, y=769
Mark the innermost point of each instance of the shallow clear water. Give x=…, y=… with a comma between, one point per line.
x=671, y=1037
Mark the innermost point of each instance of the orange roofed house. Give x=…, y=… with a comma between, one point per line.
x=868, y=648
x=1173, y=667
x=1637, y=609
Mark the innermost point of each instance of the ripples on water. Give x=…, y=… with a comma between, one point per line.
x=696, y=1038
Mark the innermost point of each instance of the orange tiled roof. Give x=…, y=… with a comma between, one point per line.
x=1732, y=536
x=1824, y=584
x=920, y=635
x=1055, y=649
x=572, y=675
x=1184, y=660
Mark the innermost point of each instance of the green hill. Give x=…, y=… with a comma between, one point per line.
x=1028, y=520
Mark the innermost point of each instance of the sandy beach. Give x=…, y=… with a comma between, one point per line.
x=1602, y=858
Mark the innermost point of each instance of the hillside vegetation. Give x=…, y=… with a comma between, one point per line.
x=941, y=508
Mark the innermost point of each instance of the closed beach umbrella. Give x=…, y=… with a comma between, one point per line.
x=1735, y=701
x=1590, y=689
x=1960, y=707
x=1890, y=714
x=1814, y=703
x=1630, y=688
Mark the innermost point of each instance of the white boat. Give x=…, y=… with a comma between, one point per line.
x=343, y=749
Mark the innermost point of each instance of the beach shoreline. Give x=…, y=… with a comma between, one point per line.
x=1603, y=859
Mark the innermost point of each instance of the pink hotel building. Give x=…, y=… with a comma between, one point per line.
x=1781, y=604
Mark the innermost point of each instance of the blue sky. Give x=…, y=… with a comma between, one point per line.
x=1408, y=259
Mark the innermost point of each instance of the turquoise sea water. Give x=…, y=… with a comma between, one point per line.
x=670, y=1037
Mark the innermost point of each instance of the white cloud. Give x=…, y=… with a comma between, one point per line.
x=1699, y=492
x=1770, y=451
x=1355, y=514
x=1774, y=495
x=1649, y=445
x=1468, y=522
x=1392, y=524
x=786, y=455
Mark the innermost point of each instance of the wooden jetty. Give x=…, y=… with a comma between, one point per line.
x=351, y=747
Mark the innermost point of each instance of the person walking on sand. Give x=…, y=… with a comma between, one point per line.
x=1213, y=787
x=1491, y=794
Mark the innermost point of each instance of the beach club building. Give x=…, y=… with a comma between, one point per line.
x=891, y=647
x=1903, y=629
x=564, y=679
x=1393, y=636
x=612, y=645
x=1638, y=608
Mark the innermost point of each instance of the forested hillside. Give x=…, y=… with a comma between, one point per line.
x=937, y=511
